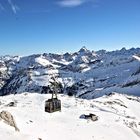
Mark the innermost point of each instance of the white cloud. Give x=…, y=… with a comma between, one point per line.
x=70, y=3
x=14, y=7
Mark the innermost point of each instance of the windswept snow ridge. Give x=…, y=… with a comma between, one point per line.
x=138, y=58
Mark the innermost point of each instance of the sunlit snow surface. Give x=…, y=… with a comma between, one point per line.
x=116, y=114
x=136, y=57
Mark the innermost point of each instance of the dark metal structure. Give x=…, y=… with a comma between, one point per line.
x=53, y=104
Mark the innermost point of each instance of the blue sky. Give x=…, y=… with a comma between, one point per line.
x=58, y=26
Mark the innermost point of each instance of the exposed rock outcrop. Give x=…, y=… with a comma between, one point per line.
x=8, y=119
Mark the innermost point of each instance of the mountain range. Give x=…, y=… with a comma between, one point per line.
x=85, y=74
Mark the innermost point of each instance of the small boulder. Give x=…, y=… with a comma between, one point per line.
x=11, y=104
x=91, y=116
x=8, y=119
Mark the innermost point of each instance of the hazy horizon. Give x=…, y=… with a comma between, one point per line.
x=61, y=53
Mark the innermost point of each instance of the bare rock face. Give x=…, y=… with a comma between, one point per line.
x=8, y=119
x=91, y=116
x=94, y=117
x=11, y=104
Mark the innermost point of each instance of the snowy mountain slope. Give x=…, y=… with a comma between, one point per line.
x=118, y=118
x=85, y=73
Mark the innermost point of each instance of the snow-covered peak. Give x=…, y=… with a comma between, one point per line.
x=80, y=73
x=83, y=50
x=42, y=61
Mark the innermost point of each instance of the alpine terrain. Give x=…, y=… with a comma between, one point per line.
x=99, y=93
x=85, y=73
